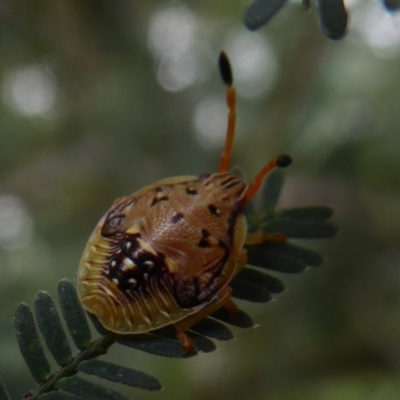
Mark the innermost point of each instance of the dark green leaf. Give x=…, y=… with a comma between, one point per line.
x=3, y=392
x=264, y=258
x=333, y=17
x=116, y=373
x=73, y=314
x=260, y=12
x=309, y=257
x=201, y=343
x=391, y=5
x=59, y=395
x=301, y=229
x=317, y=213
x=50, y=326
x=248, y=291
x=251, y=215
x=269, y=282
x=240, y=318
x=88, y=390
x=153, y=344
x=29, y=344
x=213, y=329
x=271, y=190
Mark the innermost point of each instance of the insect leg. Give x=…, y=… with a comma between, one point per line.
x=259, y=237
x=223, y=299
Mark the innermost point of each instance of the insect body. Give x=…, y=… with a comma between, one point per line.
x=166, y=254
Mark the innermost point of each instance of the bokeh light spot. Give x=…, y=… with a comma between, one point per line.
x=173, y=40
x=254, y=63
x=210, y=123
x=16, y=225
x=30, y=90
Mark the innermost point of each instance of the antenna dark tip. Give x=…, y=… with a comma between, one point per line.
x=283, y=161
x=225, y=68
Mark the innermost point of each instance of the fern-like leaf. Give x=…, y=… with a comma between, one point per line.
x=88, y=390
x=260, y=12
x=116, y=373
x=333, y=17
x=50, y=325
x=74, y=315
x=29, y=344
x=391, y=5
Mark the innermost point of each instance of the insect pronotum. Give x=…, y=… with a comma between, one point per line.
x=167, y=253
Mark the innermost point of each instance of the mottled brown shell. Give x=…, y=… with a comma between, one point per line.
x=163, y=253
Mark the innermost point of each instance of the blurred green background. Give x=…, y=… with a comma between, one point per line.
x=100, y=98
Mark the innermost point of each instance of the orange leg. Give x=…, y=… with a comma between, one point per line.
x=223, y=299
x=259, y=237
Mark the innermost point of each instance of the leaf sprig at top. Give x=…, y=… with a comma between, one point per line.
x=333, y=15
x=252, y=284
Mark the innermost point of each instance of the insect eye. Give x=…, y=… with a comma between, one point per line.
x=204, y=176
x=112, y=225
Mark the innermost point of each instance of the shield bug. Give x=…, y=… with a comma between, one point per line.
x=166, y=254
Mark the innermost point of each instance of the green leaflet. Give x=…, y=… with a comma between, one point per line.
x=260, y=12
x=301, y=229
x=270, y=191
x=73, y=314
x=249, y=291
x=270, y=252
x=153, y=344
x=50, y=325
x=29, y=344
x=392, y=5
x=333, y=17
x=212, y=329
x=116, y=373
x=275, y=261
x=314, y=213
x=88, y=390
x=201, y=343
x=261, y=279
x=59, y=395
x=239, y=319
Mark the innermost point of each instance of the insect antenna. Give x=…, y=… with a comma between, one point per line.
x=226, y=74
x=281, y=161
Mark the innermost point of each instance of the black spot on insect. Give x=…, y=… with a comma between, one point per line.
x=112, y=225
x=191, y=191
x=213, y=210
x=176, y=218
x=131, y=245
x=205, y=233
x=203, y=243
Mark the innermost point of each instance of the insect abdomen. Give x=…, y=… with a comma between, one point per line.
x=123, y=303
